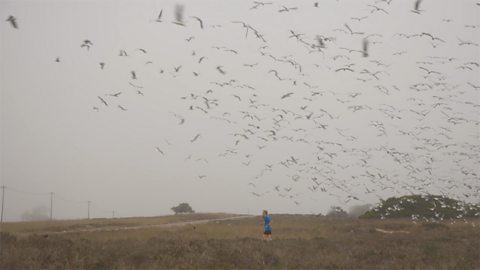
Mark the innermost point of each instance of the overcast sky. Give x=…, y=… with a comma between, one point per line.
x=280, y=124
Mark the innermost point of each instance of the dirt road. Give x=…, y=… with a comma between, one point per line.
x=164, y=225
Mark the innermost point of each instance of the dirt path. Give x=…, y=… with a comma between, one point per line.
x=164, y=225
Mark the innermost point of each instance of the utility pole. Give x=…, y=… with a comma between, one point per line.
x=88, y=210
x=51, y=205
x=3, y=202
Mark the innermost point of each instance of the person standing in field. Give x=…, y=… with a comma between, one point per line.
x=267, y=227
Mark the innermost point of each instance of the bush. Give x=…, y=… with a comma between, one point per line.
x=423, y=207
x=183, y=208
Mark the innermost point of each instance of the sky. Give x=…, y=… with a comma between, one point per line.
x=259, y=109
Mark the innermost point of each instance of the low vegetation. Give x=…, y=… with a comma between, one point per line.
x=300, y=242
x=423, y=207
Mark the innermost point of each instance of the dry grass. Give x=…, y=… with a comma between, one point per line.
x=300, y=242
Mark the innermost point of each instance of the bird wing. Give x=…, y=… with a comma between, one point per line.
x=103, y=100
x=348, y=27
x=199, y=20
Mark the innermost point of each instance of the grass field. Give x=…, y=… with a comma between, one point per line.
x=300, y=242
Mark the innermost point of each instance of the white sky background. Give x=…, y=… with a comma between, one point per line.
x=53, y=140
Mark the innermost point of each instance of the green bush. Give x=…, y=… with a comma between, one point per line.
x=423, y=207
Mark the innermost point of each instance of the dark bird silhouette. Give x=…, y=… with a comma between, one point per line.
x=429, y=71
x=159, y=18
x=287, y=9
x=287, y=95
x=102, y=65
x=344, y=69
x=122, y=108
x=103, y=100
x=258, y=4
x=195, y=138
x=220, y=69
x=13, y=21
x=177, y=69
x=159, y=150
x=179, y=15
x=134, y=75
x=115, y=94
x=416, y=8
x=359, y=18
x=365, y=47
x=351, y=31
x=377, y=9
x=86, y=44
x=199, y=21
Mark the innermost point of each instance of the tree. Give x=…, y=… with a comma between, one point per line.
x=182, y=208
x=37, y=213
x=423, y=207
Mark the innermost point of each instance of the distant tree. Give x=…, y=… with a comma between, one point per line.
x=337, y=212
x=183, y=208
x=37, y=213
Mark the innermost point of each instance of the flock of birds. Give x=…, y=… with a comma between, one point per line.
x=383, y=136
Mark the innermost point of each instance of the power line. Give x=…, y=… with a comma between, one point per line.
x=69, y=200
x=52, y=195
x=28, y=192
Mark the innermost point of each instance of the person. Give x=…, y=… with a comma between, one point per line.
x=267, y=226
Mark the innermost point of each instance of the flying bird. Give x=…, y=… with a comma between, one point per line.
x=199, y=21
x=195, y=138
x=103, y=100
x=219, y=68
x=13, y=21
x=86, y=44
x=159, y=150
x=286, y=9
x=416, y=8
x=179, y=15
x=258, y=4
x=365, y=47
x=115, y=94
x=344, y=69
x=159, y=18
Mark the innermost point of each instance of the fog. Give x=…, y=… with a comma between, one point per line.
x=231, y=117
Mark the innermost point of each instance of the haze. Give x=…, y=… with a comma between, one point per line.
x=404, y=119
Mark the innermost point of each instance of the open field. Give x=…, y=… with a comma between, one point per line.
x=305, y=242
